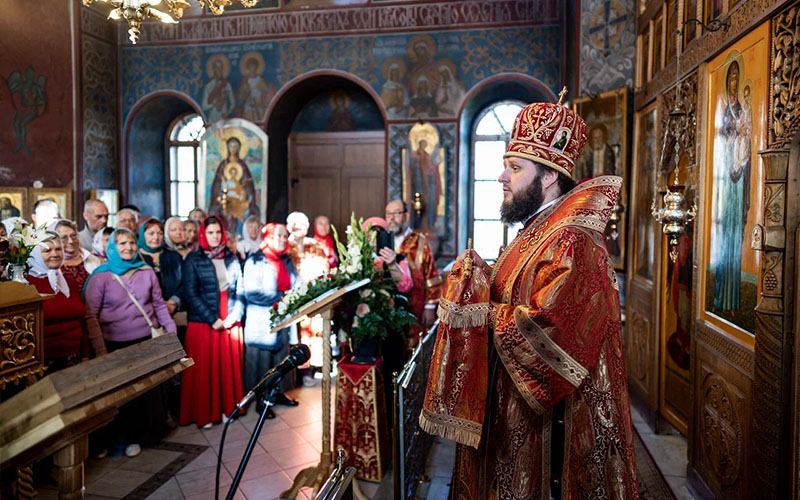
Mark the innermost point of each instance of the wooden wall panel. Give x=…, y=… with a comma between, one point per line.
x=723, y=388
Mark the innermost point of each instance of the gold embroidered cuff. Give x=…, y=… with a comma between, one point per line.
x=468, y=316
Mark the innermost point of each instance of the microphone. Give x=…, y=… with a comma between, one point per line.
x=298, y=354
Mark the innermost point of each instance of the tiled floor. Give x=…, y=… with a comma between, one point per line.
x=288, y=444
x=669, y=452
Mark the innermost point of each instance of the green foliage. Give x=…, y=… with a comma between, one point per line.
x=365, y=313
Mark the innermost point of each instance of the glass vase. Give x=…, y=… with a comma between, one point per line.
x=16, y=272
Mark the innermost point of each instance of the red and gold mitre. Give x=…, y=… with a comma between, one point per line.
x=550, y=134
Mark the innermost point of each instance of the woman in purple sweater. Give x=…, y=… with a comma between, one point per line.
x=107, y=298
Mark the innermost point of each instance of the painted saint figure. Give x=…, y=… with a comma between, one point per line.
x=254, y=92
x=449, y=90
x=233, y=195
x=7, y=208
x=424, y=178
x=732, y=186
x=600, y=159
x=218, y=98
x=341, y=119
x=393, y=92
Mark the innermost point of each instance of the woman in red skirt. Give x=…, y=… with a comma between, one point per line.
x=211, y=290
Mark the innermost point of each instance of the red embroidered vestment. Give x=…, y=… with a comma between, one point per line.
x=427, y=282
x=555, y=318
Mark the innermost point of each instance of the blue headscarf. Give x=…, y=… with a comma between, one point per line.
x=115, y=263
x=142, y=244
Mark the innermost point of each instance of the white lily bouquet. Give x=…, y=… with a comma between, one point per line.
x=355, y=264
x=22, y=241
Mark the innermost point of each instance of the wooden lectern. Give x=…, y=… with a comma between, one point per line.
x=21, y=346
x=323, y=305
x=56, y=414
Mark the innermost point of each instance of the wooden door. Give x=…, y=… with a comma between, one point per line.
x=336, y=174
x=641, y=333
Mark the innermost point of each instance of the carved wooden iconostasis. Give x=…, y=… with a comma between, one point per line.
x=733, y=389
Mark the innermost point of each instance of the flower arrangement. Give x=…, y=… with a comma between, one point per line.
x=21, y=242
x=369, y=313
x=372, y=312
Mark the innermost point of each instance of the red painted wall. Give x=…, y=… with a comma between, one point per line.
x=38, y=35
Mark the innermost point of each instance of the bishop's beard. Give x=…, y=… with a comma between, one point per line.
x=523, y=205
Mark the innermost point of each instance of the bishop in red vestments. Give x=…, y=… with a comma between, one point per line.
x=557, y=422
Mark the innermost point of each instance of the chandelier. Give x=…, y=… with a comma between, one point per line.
x=136, y=11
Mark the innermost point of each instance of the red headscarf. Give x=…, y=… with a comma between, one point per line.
x=274, y=256
x=219, y=251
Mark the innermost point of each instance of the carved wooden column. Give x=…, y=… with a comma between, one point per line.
x=772, y=377
x=774, y=399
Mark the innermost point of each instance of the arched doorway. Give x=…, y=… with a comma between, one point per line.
x=327, y=149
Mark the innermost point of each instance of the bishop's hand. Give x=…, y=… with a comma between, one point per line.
x=477, y=260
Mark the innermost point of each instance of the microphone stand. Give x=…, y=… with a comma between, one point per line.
x=268, y=403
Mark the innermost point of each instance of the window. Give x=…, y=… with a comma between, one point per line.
x=184, y=160
x=489, y=141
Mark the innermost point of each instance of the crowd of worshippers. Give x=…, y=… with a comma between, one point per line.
x=215, y=289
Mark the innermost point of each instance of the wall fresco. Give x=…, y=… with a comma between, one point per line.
x=424, y=76
x=419, y=16
x=339, y=111
x=608, y=45
x=36, y=90
x=99, y=100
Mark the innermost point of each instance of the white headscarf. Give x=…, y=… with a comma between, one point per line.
x=9, y=224
x=58, y=283
x=177, y=247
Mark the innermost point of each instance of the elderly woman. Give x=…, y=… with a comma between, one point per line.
x=69, y=330
x=100, y=242
x=211, y=278
x=111, y=294
x=127, y=218
x=165, y=262
x=175, y=236
x=78, y=262
x=268, y=274
x=191, y=228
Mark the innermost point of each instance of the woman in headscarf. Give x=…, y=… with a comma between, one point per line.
x=211, y=290
x=109, y=294
x=268, y=274
x=9, y=224
x=322, y=234
x=100, y=242
x=78, y=262
x=165, y=262
x=175, y=236
x=69, y=330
